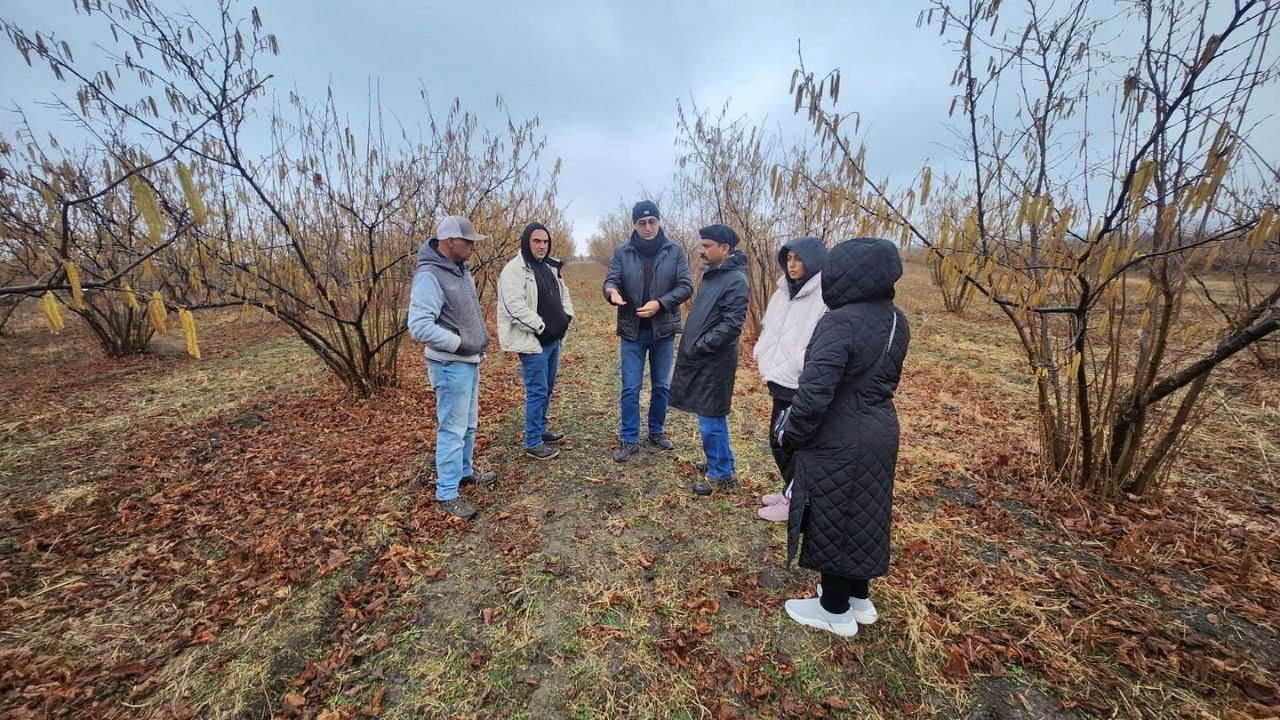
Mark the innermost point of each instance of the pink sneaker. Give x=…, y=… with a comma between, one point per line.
x=775, y=513
x=774, y=499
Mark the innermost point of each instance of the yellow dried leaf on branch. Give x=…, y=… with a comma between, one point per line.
x=1075, y=363
x=1213, y=257
x=192, y=193
x=130, y=296
x=156, y=311
x=1189, y=333
x=49, y=305
x=73, y=279
x=189, y=328
x=145, y=198
x=1263, y=230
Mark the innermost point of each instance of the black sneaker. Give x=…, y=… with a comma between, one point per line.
x=542, y=452
x=709, y=484
x=625, y=451
x=552, y=437
x=484, y=478
x=661, y=441
x=700, y=466
x=457, y=507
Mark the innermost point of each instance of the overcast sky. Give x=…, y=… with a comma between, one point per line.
x=603, y=77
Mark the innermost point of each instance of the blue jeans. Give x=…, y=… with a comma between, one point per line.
x=662, y=355
x=457, y=386
x=539, y=380
x=715, y=443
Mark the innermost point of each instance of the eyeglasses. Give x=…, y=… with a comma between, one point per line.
x=647, y=222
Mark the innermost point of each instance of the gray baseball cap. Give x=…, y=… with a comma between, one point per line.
x=456, y=226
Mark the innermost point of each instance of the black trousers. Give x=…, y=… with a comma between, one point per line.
x=785, y=458
x=837, y=589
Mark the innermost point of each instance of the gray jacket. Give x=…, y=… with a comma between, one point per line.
x=672, y=284
x=444, y=309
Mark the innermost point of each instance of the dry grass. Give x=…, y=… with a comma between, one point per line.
x=589, y=589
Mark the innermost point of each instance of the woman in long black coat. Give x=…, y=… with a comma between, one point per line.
x=844, y=429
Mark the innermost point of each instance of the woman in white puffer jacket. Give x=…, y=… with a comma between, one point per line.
x=789, y=320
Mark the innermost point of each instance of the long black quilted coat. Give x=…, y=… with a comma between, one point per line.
x=843, y=423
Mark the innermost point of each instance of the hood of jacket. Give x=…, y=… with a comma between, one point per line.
x=860, y=270
x=527, y=253
x=429, y=254
x=812, y=252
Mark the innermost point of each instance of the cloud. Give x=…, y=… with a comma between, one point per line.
x=603, y=78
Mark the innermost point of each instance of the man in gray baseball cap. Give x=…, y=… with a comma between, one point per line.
x=445, y=316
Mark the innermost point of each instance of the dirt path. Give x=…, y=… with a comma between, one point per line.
x=589, y=588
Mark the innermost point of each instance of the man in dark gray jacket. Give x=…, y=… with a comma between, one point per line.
x=648, y=280
x=445, y=315
x=708, y=357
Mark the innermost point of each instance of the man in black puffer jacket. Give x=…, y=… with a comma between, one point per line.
x=708, y=355
x=844, y=429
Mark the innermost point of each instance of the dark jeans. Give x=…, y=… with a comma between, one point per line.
x=837, y=589
x=785, y=458
x=539, y=371
x=661, y=355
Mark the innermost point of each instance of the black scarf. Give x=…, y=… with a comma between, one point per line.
x=648, y=248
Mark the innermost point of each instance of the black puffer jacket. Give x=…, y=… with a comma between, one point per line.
x=708, y=355
x=672, y=285
x=843, y=423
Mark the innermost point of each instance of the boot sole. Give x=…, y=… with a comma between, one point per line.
x=543, y=457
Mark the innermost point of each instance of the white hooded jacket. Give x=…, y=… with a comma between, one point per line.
x=788, y=325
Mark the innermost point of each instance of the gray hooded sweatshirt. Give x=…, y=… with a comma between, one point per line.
x=444, y=309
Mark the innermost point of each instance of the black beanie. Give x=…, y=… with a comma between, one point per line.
x=644, y=208
x=722, y=234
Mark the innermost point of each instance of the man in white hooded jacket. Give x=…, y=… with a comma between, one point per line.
x=792, y=314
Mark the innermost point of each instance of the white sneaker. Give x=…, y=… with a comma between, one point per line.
x=864, y=611
x=809, y=612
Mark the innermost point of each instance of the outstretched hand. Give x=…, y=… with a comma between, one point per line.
x=648, y=309
x=615, y=297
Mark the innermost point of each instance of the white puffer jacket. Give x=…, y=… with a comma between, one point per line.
x=788, y=325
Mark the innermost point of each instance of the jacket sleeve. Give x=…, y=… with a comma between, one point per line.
x=613, y=279
x=683, y=288
x=425, y=301
x=565, y=300
x=512, y=299
x=732, y=313
x=824, y=364
x=766, y=328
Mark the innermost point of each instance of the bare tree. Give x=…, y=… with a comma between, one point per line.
x=322, y=231
x=725, y=172
x=72, y=219
x=1086, y=239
